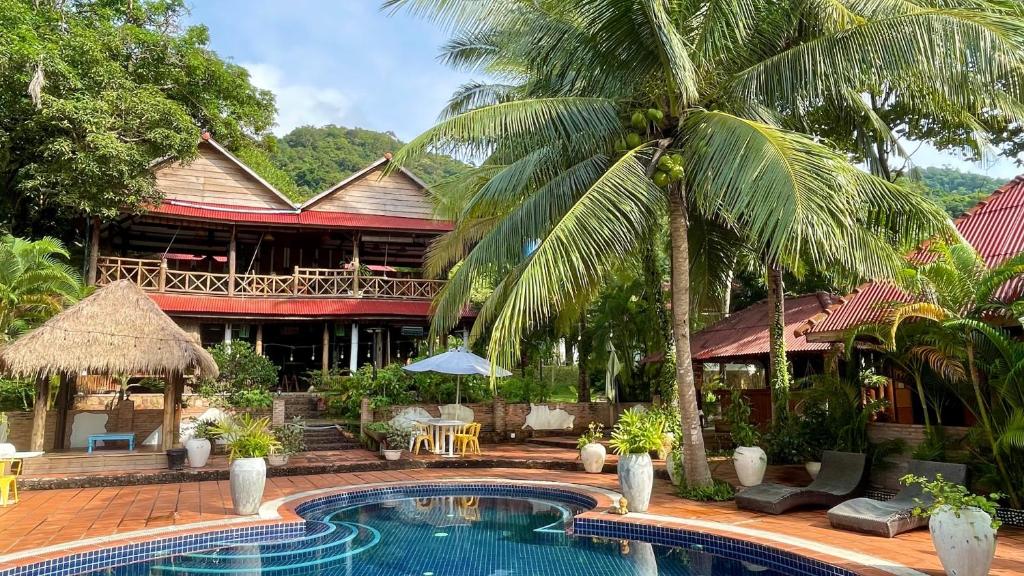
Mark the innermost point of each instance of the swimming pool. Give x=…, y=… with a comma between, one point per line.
x=442, y=530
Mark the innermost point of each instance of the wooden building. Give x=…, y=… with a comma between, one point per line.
x=334, y=282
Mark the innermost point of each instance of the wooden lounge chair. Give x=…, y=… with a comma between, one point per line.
x=841, y=476
x=894, y=516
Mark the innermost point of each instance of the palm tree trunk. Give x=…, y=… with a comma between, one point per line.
x=778, y=366
x=695, y=461
x=583, y=354
x=986, y=424
x=924, y=402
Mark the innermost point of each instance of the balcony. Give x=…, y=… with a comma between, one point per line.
x=154, y=275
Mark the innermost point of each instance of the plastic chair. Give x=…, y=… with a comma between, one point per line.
x=9, y=481
x=469, y=438
x=423, y=438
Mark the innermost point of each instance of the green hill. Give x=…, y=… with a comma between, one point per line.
x=955, y=190
x=317, y=157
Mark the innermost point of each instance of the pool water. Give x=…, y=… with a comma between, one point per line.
x=445, y=536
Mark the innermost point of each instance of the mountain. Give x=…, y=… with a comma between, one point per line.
x=954, y=190
x=317, y=157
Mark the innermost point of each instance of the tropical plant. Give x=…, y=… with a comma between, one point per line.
x=205, y=428
x=398, y=436
x=246, y=378
x=954, y=496
x=609, y=116
x=36, y=282
x=719, y=491
x=953, y=323
x=291, y=436
x=737, y=415
x=593, y=435
x=247, y=436
x=636, y=433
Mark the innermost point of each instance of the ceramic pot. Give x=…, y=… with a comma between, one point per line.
x=277, y=459
x=636, y=479
x=248, y=477
x=750, y=462
x=813, y=468
x=593, y=456
x=392, y=454
x=965, y=545
x=198, y=451
x=674, y=465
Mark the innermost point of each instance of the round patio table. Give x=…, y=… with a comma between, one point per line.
x=441, y=427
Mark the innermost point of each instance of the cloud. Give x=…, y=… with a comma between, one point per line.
x=300, y=104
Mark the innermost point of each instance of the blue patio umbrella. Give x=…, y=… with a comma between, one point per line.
x=458, y=362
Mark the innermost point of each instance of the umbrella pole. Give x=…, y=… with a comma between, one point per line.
x=458, y=388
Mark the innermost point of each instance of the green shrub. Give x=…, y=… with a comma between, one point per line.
x=719, y=491
x=954, y=496
x=247, y=437
x=246, y=378
x=16, y=395
x=636, y=432
x=737, y=414
x=594, y=434
x=291, y=436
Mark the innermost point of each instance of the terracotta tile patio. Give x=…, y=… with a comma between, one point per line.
x=52, y=517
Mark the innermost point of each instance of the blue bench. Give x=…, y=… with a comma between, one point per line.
x=128, y=436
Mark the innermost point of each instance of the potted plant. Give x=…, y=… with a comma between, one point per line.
x=592, y=452
x=634, y=437
x=293, y=440
x=397, y=440
x=748, y=458
x=674, y=465
x=249, y=440
x=200, y=444
x=963, y=525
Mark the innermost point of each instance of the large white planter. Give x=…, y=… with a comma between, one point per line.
x=813, y=468
x=198, y=451
x=248, y=477
x=750, y=462
x=392, y=454
x=636, y=479
x=965, y=545
x=277, y=459
x=674, y=465
x=593, y=456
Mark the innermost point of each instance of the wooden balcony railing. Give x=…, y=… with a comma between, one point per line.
x=153, y=275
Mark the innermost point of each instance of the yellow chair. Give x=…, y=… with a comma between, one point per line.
x=422, y=438
x=10, y=469
x=469, y=438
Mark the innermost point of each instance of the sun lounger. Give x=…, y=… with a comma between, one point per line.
x=841, y=476
x=894, y=516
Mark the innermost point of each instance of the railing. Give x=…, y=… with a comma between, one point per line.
x=154, y=275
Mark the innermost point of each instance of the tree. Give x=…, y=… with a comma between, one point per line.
x=317, y=158
x=958, y=305
x=35, y=283
x=713, y=92
x=92, y=92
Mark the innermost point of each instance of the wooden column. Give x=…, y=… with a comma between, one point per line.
x=62, y=404
x=355, y=263
x=325, y=360
x=232, y=254
x=259, y=339
x=179, y=391
x=94, y=251
x=168, y=432
x=353, y=356
x=39, y=414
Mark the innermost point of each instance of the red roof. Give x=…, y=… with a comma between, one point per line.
x=994, y=227
x=290, y=307
x=745, y=333
x=254, y=215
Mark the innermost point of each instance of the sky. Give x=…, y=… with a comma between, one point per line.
x=346, y=62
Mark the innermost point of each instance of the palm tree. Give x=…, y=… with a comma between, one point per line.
x=35, y=283
x=609, y=116
x=958, y=307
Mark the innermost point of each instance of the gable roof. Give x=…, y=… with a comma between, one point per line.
x=994, y=227
x=745, y=333
x=360, y=175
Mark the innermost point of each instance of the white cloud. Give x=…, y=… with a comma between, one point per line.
x=300, y=104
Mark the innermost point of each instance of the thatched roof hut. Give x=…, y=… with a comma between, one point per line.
x=116, y=330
